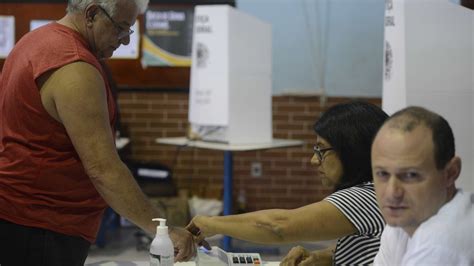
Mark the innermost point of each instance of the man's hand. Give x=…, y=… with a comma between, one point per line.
x=183, y=242
x=300, y=256
x=197, y=232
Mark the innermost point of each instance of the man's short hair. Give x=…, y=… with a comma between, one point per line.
x=410, y=118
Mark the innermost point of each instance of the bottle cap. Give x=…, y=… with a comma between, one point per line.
x=161, y=229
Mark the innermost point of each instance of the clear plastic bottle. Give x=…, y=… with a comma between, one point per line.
x=161, y=249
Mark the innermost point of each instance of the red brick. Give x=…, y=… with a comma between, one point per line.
x=288, y=181
x=139, y=106
x=290, y=108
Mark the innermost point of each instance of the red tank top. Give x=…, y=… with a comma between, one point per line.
x=42, y=180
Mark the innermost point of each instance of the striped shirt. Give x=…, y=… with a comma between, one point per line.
x=359, y=205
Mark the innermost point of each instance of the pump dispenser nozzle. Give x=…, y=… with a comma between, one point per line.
x=161, y=229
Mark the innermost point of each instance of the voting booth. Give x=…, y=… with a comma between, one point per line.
x=230, y=90
x=429, y=61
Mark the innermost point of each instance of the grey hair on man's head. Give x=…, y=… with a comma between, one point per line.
x=76, y=6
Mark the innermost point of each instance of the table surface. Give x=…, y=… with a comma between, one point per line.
x=147, y=263
x=121, y=142
x=183, y=141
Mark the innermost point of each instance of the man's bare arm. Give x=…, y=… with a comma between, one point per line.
x=75, y=96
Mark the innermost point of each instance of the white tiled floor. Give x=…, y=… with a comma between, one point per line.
x=123, y=245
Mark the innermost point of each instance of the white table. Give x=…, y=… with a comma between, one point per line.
x=147, y=263
x=121, y=142
x=275, y=143
x=228, y=163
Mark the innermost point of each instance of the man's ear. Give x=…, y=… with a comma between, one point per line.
x=90, y=13
x=452, y=170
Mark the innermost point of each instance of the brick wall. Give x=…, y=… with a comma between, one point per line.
x=288, y=180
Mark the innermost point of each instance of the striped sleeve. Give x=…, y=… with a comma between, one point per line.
x=359, y=205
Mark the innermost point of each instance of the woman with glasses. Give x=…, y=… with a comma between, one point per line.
x=350, y=214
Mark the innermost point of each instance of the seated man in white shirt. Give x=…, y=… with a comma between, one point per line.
x=429, y=221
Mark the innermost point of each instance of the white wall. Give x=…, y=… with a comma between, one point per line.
x=346, y=36
x=335, y=44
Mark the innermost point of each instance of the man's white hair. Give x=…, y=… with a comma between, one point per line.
x=76, y=6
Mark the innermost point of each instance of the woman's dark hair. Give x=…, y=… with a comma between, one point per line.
x=350, y=129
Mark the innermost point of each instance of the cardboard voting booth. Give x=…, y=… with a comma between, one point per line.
x=230, y=91
x=429, y=61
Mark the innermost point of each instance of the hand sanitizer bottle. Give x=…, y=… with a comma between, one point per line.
x=161, y=249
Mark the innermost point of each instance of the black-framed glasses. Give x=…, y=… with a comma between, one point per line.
x=320, y=152
x=121, y=32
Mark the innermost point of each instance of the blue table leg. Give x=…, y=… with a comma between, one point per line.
x=227, y=241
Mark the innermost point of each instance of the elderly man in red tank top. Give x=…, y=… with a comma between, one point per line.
x=59, y=167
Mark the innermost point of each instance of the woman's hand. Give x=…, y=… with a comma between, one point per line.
x=198, y=229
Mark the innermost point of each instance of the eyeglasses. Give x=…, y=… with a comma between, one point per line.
x=121, y=32
x=320, y=152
